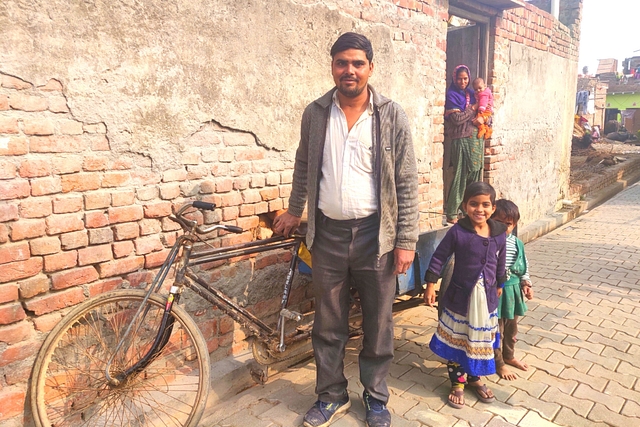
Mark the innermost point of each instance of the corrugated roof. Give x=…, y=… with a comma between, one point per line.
x=609, y=65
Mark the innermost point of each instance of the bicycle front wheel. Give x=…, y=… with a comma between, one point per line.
x=69, y=387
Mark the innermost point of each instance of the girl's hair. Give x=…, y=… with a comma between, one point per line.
x=507, y=209
x=479, y=189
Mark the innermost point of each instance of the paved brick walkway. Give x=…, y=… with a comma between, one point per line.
x=580, y=338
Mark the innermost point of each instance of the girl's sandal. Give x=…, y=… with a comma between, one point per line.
x=459, y=393
x=482, y=392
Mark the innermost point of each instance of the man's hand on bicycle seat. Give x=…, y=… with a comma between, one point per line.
x=285, y=224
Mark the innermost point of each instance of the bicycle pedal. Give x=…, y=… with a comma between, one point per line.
x=292, y=315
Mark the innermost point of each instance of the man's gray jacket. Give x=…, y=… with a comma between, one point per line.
x=395, y=170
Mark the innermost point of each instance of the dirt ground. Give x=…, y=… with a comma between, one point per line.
x=600, y=156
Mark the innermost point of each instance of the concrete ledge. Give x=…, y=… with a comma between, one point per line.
x=621, y=178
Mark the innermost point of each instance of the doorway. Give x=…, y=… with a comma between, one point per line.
x=468, y=44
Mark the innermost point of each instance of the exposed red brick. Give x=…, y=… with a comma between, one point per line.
x=14, y=252
x=7, y=169
x=8, y=211
x=70, y=127
x=9, y=125
x=64, y=223
x=37, y=127
x=45, y=246
x=230, y=213
x=95, y=219
x=100, y=235
x=13, y=401
x=8, y=292
x=125, y=214
x=16, y=146
x=174, y=175
x=97, y=200
x=52, y=85
x=35, y=207
x=197, y=172
x=47, y=185
x=150, y=226
x=32, y=168
x=250, y=154
x=116, y=179
x=122, y=198
x=77, y=276
x=148, y=244
x=120, y=266
x=169, y=191
x=94, y=163
x=46, y=322
x=66, y=164
x=94, y=254
x=14, y=189
x=16, y=332
x=4, y=102
x=20, y=269
x=80, y=181
x=53, y=301
x=99, y=142
x=33, y=286
x=74, y=240
x=57, y=144
x=269, y=193
x=123, y=249
x=157, y=210
x=11, y=313
x=155, y=259
x=103, y=286
x=60, y=261
x=58, y=104
x=126, y=231
x=4, y=233
x=11, y=82
x=67, y=204
x=140, y=279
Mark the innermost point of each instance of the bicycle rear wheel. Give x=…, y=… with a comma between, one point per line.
x=69, y=387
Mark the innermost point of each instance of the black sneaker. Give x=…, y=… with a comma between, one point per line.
x=321, y=413
x=377, y=413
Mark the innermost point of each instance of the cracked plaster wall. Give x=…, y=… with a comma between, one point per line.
x=155, y=71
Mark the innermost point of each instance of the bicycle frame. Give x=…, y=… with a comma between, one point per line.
x=186, y=277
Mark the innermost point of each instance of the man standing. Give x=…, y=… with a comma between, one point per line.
x=355, y=167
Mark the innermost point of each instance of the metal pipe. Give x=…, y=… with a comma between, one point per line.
x=555, y=8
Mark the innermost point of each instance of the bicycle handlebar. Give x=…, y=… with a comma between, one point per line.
x=188, y=224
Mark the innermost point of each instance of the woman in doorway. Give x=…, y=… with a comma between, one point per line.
x=467, y=151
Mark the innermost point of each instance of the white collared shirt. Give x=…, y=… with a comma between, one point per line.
x=347, y=186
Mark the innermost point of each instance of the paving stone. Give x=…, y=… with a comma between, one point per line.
x=433, y=399
x=566, y=417
x=592, y=347
x=601, y=413
x=569, y=323
x=546, y=409
x=567, y=350
x=512, y=414
x=599, y=339
x=424, y=365
x=584, y=391
x=499, y=422
x=631, y=409
x=398, y=386
x=593, y=320
x=580, y=406
x=564, y=385
x=588, y=327
x=400, y=405
x=595, y=382
x=615, y=389
x=607, y=374
x=532, y=388
x=551, y=368
x=629, y=358
x=426, y=416
x=474, y=417
x=281, y=415
x=429, y=382
x=562, y=329
x=607, y=362
x=532, y=419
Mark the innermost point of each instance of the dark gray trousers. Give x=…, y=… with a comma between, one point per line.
x=345, y=253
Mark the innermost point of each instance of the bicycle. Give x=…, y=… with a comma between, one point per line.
x=132, y=357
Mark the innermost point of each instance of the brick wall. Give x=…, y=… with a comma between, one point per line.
x=82, y=212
